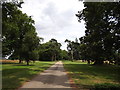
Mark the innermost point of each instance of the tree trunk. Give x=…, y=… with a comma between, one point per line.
x=55, y=57
x=20, y=61
x=72, y=56
x=27, y=62
x=52, y=57
x=88, y=61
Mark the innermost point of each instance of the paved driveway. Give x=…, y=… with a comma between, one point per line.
x=54, y=78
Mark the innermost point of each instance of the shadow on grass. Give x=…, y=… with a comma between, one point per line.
x=90, y=77
x=108, y=72
x=14, y=74
x=13, y=78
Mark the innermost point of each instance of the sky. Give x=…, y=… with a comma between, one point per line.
x=56, y=19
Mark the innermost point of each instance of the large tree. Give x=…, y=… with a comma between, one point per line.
x=19, y=38
x=102, y=35
x=10, y=29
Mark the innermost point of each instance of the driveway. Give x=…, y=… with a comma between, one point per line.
x=54, y=78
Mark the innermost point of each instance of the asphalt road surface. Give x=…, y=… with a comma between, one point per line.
x=54, y=78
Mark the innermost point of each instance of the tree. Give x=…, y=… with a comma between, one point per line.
x=19, y=38
x=70, y=48
x=50, y=50
x=64, y=55
x=56, y=48
x=10, y=28
x=29, y=46
x=76, y=51
x=73, y=49
x=102, y=34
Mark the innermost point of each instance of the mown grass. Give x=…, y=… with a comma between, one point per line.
x=14, y=75
x=92, y=76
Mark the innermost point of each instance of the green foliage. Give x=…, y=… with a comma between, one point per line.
x=19, y=39
x=64, y=55
x=9, y=27
x=73, y=49
x=50, y=50
x=102, y=35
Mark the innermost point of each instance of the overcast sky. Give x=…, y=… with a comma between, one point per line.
x=55, y=19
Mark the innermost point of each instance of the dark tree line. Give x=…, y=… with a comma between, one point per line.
x=102, y=36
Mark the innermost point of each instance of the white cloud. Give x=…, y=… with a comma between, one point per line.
x=55, y=19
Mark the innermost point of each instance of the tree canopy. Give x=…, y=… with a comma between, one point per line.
x=50, y=50
x=102, y=35
x=19, y=35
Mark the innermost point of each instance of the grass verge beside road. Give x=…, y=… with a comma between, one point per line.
x=92, y=76
x=14, y=75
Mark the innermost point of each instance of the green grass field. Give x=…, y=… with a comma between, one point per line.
x=91, y=76
x=14, y=75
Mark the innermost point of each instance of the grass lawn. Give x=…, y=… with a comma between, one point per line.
x=14, y=75
x=91, y=76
